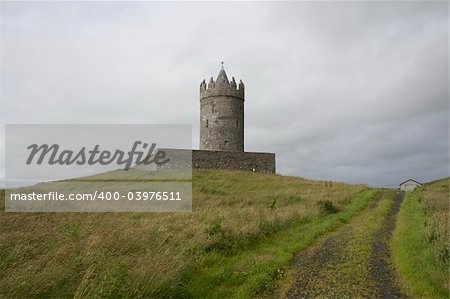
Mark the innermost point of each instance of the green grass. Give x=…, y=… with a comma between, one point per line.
x=252, y=270
x=420, y=241
x=253, y=223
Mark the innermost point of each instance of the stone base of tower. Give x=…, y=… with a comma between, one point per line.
x=203, y=159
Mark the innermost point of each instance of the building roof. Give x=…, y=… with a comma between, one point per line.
x=222, y=77
x=411, y=181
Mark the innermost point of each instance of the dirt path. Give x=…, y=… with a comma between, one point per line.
x=353, y=262
x=379, y=263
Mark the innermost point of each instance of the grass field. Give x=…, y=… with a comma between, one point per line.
x=243, y=231
x=421, y=241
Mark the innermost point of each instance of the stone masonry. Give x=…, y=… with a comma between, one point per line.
x=221, y=132
x=255, y=162
x=222, y=114
x=222, y=129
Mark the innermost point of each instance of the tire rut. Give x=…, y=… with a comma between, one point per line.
x=380, y=264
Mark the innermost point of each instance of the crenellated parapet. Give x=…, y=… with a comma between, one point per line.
x=222, y=87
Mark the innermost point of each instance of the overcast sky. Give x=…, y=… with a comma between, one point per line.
x=344, y=91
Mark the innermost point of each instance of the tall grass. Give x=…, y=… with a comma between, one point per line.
x=421, y=241
x=148, y=254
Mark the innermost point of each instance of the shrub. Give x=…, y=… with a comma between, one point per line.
x=326, y=207
x=224, y=240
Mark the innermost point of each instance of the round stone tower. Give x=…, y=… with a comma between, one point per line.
x=222, y=114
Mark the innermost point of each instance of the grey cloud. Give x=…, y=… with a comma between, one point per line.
x=348, y=91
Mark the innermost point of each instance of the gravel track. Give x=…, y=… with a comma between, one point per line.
x=382, y=272
x=353, y=262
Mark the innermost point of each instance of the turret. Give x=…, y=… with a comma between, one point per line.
x=222, y=87
x=222, y=114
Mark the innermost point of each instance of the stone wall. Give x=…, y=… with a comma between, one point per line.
x=256, y=162
x=248, y=161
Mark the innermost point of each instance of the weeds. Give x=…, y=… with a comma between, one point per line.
x=436, y=208
x=326, y=207
x=420, y=242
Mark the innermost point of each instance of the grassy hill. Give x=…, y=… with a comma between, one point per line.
x=243, y=231
x=241, y=237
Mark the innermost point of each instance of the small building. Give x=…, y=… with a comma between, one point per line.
x=409, y=185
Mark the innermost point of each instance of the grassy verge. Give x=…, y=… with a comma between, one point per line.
x=253, y=270
x=420, y=242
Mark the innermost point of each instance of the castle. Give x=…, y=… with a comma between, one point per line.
x=222, y=129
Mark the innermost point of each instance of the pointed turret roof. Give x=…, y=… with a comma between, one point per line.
x=222, y=87
x=222, y=77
